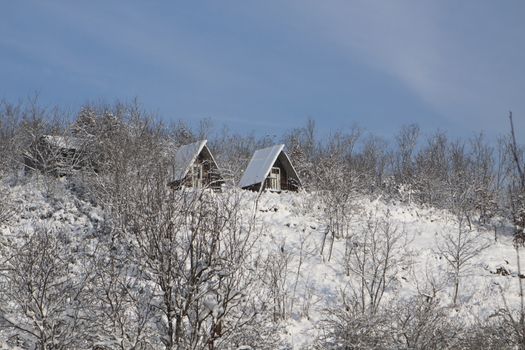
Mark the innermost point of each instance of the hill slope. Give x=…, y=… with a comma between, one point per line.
x=307, y=284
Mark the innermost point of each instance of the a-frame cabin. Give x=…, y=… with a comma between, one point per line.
x=57, y=155
x=270, y=169
x=194, y=166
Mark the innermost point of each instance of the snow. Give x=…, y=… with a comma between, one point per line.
x=292, y=226
x=260, y=165
x=68, y=142
x=290, y=219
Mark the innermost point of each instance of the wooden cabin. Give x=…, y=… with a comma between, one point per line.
x=270, y=169
x=57, y=155
x=194, y=166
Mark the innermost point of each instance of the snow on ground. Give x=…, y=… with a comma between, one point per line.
x=291, y=218
x=40, y=202
x=293, y=225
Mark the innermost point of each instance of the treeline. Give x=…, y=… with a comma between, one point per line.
x=474, y=175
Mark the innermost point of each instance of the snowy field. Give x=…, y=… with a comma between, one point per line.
x=295, y=220
x=292, y=226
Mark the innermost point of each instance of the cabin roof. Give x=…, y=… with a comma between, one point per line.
x=185, y=156
x=68, y=142
x=261, y=164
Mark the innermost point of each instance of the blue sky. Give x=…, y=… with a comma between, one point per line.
x=266, y=65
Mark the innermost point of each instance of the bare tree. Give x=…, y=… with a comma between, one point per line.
x=458, y=249
x=44, y=301
x=376, y=253
x=305, y=251
x=10, y=138
x=406, y=144
x=421, y=323
x=347, y=327
x=124, y=311
x=517, y=213
x=194, y=247
x=338, y=186
x=234, y=151
x=483, y=177
x=7, y=208
x=517, y=188
x=302, y=149
x=276, y=275
x=432, y=170
x=372, y=163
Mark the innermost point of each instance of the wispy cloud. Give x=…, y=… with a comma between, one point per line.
x=449, y=56
x=462, y=63
x=139, y=33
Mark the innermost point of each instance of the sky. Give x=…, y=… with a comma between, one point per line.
x=268, y=66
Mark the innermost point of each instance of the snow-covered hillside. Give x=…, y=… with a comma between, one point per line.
x=294, y=222
x=291, y=228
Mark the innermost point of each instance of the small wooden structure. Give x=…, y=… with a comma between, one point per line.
x=270, y=169
x=194, y=166
x=56, y=155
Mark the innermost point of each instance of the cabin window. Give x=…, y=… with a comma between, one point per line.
x=273, y=182
x=196, y=175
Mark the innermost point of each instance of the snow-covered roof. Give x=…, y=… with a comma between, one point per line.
x=68, y=142
x=261, y=164
x=186, y=156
